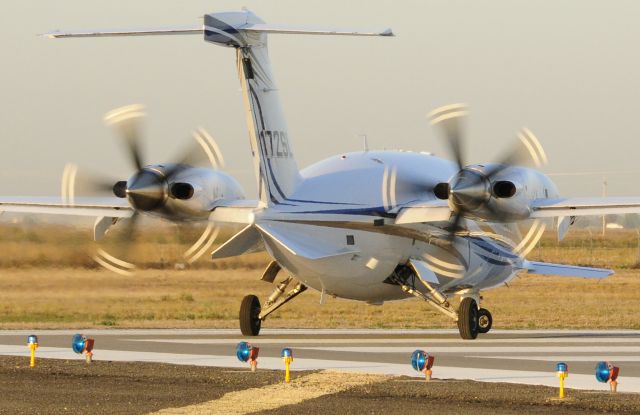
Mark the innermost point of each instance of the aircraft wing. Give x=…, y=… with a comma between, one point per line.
x=86, y=206
x=584, y=206
x=438, y=210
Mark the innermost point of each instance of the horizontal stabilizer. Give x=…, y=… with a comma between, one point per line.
x=246, y=241
x=310, y=30
x=200, y=29
x=559, y=270
x=301, y=243
x=183, y=30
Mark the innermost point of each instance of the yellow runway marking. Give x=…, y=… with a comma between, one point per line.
x=275, y=396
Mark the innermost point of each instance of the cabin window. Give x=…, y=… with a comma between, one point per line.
x=351, y=240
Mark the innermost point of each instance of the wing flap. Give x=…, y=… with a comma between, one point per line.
x=234, y=211
x=433, y=211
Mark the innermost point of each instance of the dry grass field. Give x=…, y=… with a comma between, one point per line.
x=48, y=280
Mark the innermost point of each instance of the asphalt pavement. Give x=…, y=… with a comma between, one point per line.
x=518, y=356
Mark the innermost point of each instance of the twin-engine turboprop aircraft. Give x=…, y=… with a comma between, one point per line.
x=371, y=226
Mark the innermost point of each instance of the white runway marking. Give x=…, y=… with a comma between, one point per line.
x=629, y=384
x=383, y=351
x=565, y=358
x=331, y=332
x=481, y=349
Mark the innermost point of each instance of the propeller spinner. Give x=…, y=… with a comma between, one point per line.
x=472, y=188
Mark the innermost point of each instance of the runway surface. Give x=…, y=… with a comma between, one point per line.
x=522, y=356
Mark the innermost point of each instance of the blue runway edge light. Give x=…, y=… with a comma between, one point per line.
x=419, y=360
x=603, y=372
x=77, y=343
x=243, y=351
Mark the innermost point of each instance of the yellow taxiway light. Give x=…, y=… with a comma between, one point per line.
x=562, y=372
x=32, y=342
x=287, y=357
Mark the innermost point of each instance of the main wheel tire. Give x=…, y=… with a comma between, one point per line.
x=249, y=311
x=485, y=321
x=468, y=319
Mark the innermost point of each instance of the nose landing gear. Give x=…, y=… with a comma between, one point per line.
x=252, y=314
x=250, y=322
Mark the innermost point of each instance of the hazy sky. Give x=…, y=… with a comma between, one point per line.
x=569, y=70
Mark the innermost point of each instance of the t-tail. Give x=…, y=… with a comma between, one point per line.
x=276, y=169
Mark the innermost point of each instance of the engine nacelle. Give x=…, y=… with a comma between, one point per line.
x=188, y=193
x=502, y=197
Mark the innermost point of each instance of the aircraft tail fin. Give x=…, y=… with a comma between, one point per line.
x=276, y=170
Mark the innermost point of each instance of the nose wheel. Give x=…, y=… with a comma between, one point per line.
x=252, y=314
x=250, y=321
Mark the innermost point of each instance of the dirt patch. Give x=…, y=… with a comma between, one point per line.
x=63, y=386
x=409, y=396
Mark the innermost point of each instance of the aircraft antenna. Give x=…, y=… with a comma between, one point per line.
x=364, y=142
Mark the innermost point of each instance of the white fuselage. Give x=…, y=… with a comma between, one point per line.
x=370, y=184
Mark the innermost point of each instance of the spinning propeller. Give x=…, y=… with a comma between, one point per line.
x=474, y=191
x=471, y=189
x=148, y=189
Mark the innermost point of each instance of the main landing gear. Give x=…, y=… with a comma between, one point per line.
x=471, y=320
x=252, y=314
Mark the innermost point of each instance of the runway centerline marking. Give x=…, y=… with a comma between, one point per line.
x=315, y=341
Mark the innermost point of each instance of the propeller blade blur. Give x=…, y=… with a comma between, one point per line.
x=449, y=119
x=126, y=120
